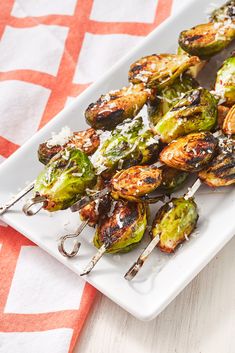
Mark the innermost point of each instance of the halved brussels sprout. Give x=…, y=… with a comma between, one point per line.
x=229, y=122
x=129, y=144
x=133, y=183
x=225, y=81
x=226, y=11
x=114, y=107
x=190, y=153
x=160, y=70
x=172, y=179
x=221, y=171
x=87, y=141
x=123, y=229
x=208, y=39
x=169, y=96
x=98, y=208
x=222, y=113
x=65, y=179
x=174, y=222
x=193, y=70
x=195, y=112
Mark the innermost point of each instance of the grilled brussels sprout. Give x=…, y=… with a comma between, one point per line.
x=98, y=208
x=160, y=70
x=129, y=144
x=65, y=179
x=174, y=222
x=172, y=179
x=221, y=171
x=225, y=81
x=226, y=11
x=113, y=108
x=133, y=183
x=208, y=39
x=123, y=229
x=222, y=113
x=229, y=122
x=196, y=111
x=169, y=96
x=87, y=141
x=190, y=153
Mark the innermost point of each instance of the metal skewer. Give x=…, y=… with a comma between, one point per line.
x=17, y=197
x=77, y=244
x=134, y=269
x=94, y=260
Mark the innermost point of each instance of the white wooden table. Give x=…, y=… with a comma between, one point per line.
x=200, y=320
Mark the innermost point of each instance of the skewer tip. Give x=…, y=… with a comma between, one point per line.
x=132, y=272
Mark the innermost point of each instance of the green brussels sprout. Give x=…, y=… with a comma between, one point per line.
x=129, y=144
x=65, y=179
x=160, y=70
x=225, y=81
x=174, y=222
x=208, y=39
x=226, y=11
x=221, y=171
x=190, y=153
x=87, y=141
x=133, y=183
x=116, y=106
x=196, y=111
x=169, y=96
x=123, y=229
x=172, y=179
x=229, y=122
x=193, y=70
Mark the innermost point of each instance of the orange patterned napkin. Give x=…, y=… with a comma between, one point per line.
x=50, y=51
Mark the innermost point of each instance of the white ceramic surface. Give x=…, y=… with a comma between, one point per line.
x=163, y=276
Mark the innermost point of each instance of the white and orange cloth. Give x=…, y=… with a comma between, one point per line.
x=50, y=51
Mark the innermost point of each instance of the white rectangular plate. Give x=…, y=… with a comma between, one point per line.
x=163, y=276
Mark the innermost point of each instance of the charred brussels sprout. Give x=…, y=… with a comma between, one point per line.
x=174, y=222
x=208, y=39
x=196, y=111
x=225, y=81
x=133, y=183
x=87, y=141
x=65, y=179
x=169, y=96
x=172, y=179
x=226, y=11
x=229, y=122
x=123, y=229
x=129, y=144
x=190, y=153
x=221, y=171
x=160, y=70
x=98, y=208
x=113, y=108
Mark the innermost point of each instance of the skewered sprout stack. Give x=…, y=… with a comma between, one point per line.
x=87, y=141
x=196, y=111
x=160, y=70
x=190, y=153
x=116, y=106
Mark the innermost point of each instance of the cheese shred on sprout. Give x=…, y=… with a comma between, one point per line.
x=61, y=138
